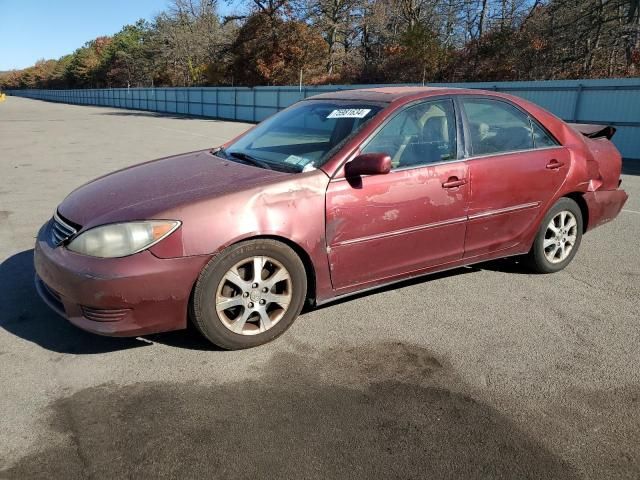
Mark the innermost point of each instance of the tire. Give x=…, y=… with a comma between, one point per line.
x=234, y=307
x=556, y=255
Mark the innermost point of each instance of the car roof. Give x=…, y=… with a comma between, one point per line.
x=389, y=94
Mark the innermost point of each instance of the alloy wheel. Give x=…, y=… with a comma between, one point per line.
x=253, y=295
x=560, y=236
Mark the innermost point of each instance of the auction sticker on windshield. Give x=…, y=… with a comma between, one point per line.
x=296, y=160
x=349, y=113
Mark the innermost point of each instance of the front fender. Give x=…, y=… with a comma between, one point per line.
x=291, y=209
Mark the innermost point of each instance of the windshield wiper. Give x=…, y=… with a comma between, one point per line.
x=246, y=158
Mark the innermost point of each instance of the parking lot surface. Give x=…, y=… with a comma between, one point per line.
x=481, y=372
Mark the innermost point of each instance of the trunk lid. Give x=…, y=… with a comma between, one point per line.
x=594, y=131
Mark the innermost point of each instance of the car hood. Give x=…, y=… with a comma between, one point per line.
x=145, y=191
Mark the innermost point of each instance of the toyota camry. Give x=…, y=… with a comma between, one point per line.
x=337, y=194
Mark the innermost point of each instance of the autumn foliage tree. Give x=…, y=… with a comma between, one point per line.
x=129, y=60
x=270, y=42
x=273, y=51
x=84, y=67
x=418, y=55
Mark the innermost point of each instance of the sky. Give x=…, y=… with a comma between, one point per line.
x=32, y=29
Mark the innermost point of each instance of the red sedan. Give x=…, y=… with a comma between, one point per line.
x=337, y=194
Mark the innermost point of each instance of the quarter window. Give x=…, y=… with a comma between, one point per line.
x=418, y=135
x=497, y=127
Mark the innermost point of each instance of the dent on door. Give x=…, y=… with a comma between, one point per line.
x=383, y=226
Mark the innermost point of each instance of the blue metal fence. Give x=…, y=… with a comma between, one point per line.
x=611, y=101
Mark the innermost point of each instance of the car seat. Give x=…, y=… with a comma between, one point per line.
x=425, y=150
x=512, y=139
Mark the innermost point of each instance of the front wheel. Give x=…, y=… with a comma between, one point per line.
x=249, y=294
x=558, y=238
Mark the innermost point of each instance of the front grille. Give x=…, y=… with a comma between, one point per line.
x=61, y=230
x=104, y=314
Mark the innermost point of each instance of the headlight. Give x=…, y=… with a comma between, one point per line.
x=122, y=239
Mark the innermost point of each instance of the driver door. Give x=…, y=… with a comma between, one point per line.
x=382, y=227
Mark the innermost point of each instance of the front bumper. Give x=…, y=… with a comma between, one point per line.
x=128, y=296
x=604, y=206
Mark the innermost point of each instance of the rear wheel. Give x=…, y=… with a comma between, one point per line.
x=249, y=294
x=558, y=239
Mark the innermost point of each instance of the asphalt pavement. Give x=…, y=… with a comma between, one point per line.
x=481, y=372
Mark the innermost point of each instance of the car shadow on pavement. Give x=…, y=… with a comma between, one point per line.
x=26, y=316
x=189, y=338
x=512, y=265
x=503, y=265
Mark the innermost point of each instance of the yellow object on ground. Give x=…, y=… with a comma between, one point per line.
x=3, y=97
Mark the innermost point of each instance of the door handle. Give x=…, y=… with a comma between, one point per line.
x=554, y=164
x=454, y=182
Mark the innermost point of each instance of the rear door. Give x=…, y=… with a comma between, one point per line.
x=515, y=170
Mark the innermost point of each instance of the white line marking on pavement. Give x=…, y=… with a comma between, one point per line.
x=630, y=211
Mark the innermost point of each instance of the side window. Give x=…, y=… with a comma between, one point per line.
x=418, y=135
x=497, y=127
x=541, y=138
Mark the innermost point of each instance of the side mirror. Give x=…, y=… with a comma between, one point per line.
x=368, y=164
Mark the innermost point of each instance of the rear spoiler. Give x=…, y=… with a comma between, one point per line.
x=594, y=131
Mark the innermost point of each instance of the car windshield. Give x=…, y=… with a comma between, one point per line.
x=303, y=137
